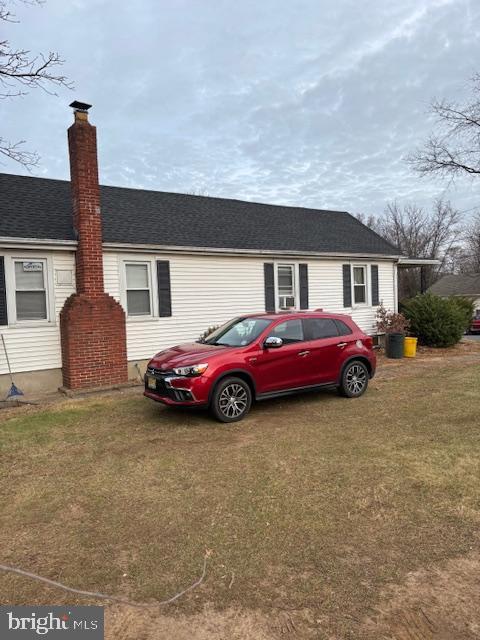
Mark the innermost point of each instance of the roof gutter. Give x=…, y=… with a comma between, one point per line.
x=49, y=243
x=417, y=262
x=37, y=243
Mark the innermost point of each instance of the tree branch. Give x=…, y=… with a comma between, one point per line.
x=455, y=149
x=12, y=151
x=20, y=72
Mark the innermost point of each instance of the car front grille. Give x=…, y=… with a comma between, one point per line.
x=160, y=372
x=180, y=395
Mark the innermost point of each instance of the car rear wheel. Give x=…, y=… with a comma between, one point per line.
x=231, y=400
x=354, y=381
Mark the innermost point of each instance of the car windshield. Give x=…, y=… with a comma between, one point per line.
x=238, y=332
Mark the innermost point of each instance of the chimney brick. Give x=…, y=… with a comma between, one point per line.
x=92, y=323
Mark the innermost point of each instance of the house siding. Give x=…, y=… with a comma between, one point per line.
x=209, y=290
x=205, y=291
x=35, y=347
x=326, y=290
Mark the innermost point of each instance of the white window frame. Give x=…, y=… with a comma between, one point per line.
x=294, y=267
x=366, y=271
x=11, y=287
x=148, y=263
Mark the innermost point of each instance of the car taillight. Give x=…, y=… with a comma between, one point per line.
x=368, y=342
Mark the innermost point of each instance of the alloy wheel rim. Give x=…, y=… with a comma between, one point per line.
x=233, y=400
x=356, y=379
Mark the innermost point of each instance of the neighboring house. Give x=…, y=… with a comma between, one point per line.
x=467, y=285
x=84, y=289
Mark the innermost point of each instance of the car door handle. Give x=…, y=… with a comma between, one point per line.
x=303, y=353
x=342, y=344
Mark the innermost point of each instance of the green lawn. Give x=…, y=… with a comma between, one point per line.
x=312, y=505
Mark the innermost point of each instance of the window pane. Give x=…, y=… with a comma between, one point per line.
x=137, y=276
x=285, y=280
x=358, y=275
x=29, y=275
x=138, y=303
x=238, y=333
x=359, y=293
x=31, y=305
x=343, y=329
x=321, y=328
x=290, y=331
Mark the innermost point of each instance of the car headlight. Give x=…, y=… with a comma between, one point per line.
x=192, y=370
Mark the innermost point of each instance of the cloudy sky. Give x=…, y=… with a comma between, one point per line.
x=307, y=102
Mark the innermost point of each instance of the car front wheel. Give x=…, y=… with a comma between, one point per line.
x=231, y=400
x=354, y=379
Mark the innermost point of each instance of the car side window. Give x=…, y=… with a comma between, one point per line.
x=343, y=329
x=290, y=331
x=319, y=328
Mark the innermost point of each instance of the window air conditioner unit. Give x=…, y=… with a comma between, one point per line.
x=287, y=302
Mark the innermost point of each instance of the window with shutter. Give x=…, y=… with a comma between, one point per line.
x=138, y=288
x=286, y=286
x=30, y=290
x=359, y=284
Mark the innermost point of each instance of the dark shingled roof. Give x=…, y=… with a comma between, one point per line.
x=41, y=208
x=457, y=285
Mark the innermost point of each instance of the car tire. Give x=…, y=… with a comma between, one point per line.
x=224, y=407
x=354, y=380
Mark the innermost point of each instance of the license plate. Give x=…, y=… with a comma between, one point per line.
x=152, y=383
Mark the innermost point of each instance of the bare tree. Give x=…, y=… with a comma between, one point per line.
x=455, y=147
x=471, y=252
x=419, y=234
x=20, y=72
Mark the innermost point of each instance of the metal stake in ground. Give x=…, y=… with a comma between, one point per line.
x=14, y=390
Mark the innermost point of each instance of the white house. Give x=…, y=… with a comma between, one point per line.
x=176, y=264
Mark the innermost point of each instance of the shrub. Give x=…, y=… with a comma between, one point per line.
x=467, y=306
x=391, y=322
x=436, y=321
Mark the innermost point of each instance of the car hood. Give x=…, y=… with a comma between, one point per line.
x=185, y=354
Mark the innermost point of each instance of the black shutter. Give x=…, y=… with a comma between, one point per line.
x=3, y=293
x=164, y=292
x=374, y=279
x=303, y=276
x=269, y=281
x=347, y=286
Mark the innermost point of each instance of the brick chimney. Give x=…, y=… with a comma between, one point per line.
x=92, y=323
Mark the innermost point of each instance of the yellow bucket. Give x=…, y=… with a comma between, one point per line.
x=410, y=347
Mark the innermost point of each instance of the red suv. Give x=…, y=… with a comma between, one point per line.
x=475, y=325
x=262, y=356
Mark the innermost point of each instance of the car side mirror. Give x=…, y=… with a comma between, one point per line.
x=272, y=342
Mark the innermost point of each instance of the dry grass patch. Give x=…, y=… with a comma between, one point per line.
x=314, y=504
x=434, y=604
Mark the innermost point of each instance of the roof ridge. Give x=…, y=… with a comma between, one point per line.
x=460, y=275
x=190, y=195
